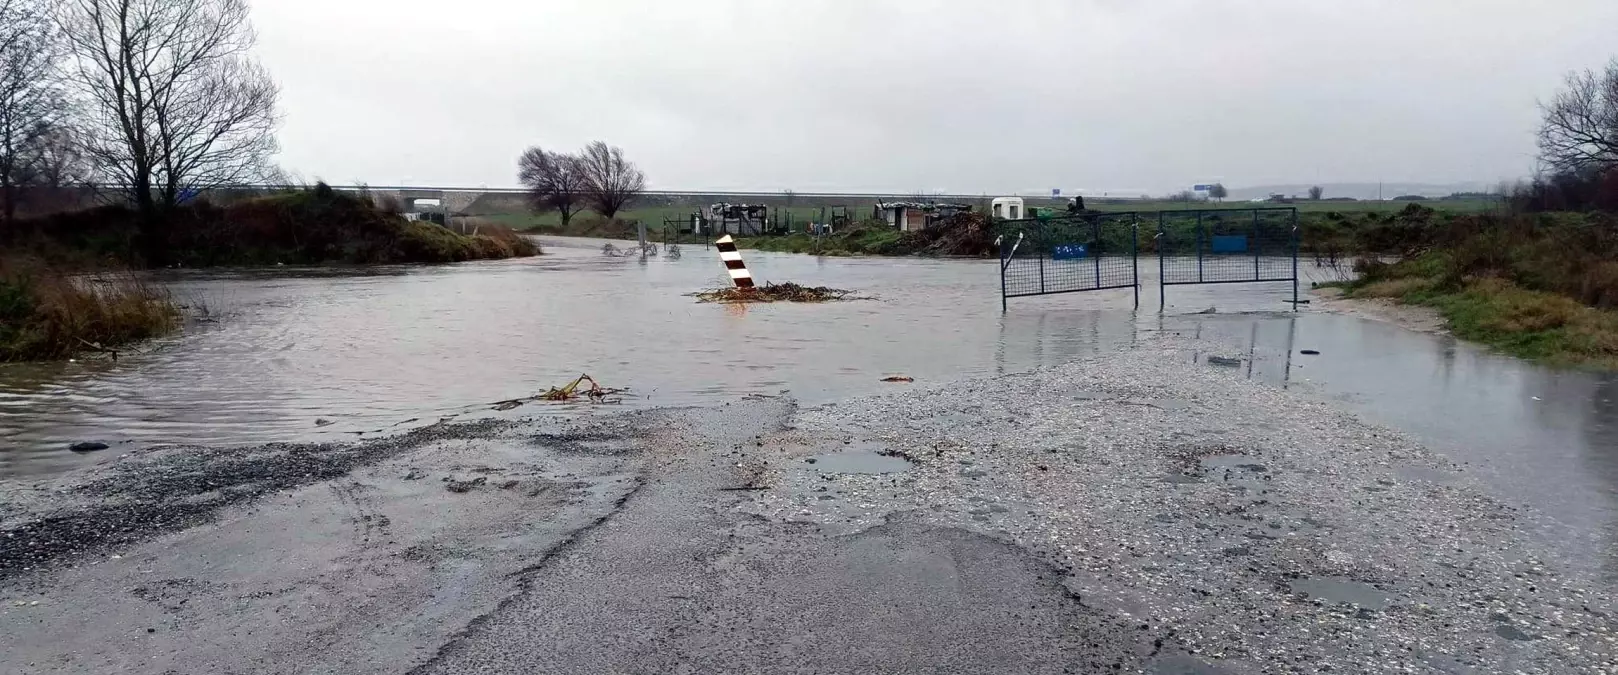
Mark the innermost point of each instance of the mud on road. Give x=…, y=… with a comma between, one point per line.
x=1137, y=513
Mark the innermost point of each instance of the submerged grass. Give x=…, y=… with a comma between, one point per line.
x=45, y=315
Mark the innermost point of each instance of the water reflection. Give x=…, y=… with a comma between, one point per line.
x=380, y=350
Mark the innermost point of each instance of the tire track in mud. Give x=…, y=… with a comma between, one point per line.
x=371, y=527
x=524, y=581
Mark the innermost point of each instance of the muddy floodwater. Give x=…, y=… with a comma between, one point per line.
x=338, y=354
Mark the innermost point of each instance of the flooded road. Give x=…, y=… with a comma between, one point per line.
x=292, y=355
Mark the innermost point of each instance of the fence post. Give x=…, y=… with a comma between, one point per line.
x=1256, y=246
x=1039, y=248
x=1162, y=279
x=1134, y=254
x=1095, y=239
x=1295, y=238
x=1002, y=282
x=1199, y=247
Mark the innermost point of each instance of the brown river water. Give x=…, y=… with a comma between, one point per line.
x=381, y=350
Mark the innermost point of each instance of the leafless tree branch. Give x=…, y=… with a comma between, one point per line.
x=611, y=181
x=555, y=181
x=1580, y=129
x=31, y=103
x=171, y=100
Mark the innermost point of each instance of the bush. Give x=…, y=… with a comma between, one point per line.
x=315, y=226
x=423, y=241
x=1593, y=189
x=44, y=315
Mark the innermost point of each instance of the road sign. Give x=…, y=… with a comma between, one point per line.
x=1202, y=188
x=1069, y=251
x=1230, y=243
x=1056, y=192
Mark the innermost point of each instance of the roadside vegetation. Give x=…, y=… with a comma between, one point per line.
x=47, y=315
x=300, y=227
x=1540, y=280
x=964, y=234
x=1540, y=286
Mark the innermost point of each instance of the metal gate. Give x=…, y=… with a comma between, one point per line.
x=1097, y=251
x=1226, y=246
x=1066, y=254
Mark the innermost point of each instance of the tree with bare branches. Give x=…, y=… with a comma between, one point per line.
x=1316, y=192
x=555, y=181
x=31, y=104
x=172, y=103
x=611, y=181
x=1580, y=130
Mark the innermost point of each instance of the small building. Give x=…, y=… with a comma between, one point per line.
x=912, y=216
x=1010, y=208
x=738, y=219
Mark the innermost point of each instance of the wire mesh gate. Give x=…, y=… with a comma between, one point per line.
x=1091, y=252
x=1226, y=246
x=1098, y=251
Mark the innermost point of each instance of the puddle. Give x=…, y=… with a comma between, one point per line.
x=1242, y=463
x=1183, y=664
x=1171, y=404
x=1341, y=591
x=1166, y=404
x=1182, y=478
x=1513, y=633
x=857, y=462
x=1241, y=471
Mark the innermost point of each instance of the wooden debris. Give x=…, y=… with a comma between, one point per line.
x=787, y=292
x=570, y=392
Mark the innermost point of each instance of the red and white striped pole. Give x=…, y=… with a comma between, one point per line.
x=733, y=262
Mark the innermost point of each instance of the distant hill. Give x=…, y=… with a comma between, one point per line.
x=1361, y=190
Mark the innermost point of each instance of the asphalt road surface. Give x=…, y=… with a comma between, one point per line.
x=1141, y=512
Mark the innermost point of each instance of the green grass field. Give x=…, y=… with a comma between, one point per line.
x=653, y=216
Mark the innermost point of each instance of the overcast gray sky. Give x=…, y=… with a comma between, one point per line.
x=910, y=95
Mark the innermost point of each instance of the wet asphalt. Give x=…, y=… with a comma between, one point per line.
x=1139, y=512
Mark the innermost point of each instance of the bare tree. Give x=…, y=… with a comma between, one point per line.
x=1218, y=192
x=610, y=180
x=172, y=102
x=1580, y=130
x=555, y=181
x=31, y=104
x=1316, y=192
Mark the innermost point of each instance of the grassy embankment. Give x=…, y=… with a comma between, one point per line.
x=47, y=311
x=305, y=227
x=1539, y=287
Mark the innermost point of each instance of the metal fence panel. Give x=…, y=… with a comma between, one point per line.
x=1097, y=251
x=1219, y=246
x=1227, y=245
x=1091, y=252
